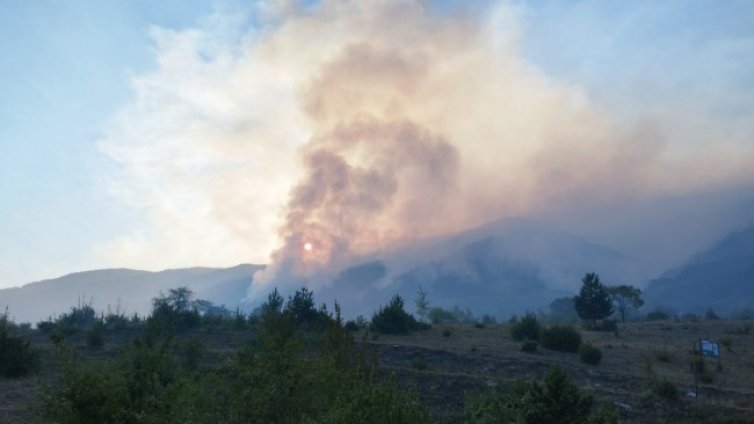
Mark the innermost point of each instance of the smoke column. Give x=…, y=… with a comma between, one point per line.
x=333, y=131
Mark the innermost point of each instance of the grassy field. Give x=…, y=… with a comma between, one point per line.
x=446, y=364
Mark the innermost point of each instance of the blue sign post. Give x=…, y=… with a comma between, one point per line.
x=709, y=348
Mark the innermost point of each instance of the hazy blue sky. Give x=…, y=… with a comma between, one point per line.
x=67, y=69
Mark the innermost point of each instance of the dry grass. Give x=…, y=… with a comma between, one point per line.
x=488, y=356
x=444, y=370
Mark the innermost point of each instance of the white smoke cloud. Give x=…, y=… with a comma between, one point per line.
x=356, y=125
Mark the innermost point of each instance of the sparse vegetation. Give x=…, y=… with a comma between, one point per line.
x=95, y=336
x=590, y=354
x=287, y=378
x=557, y=400
x=527, y=328
x=439, y=315
x=562, y=338
x=215, y=362
x=657, y=315
x=17, y=357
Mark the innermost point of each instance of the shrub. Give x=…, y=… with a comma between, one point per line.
x=393, y=319
x=282, y=379
x=301, y=306
x=526, y=328
x=589, y=354
x=193, y=350
x=351, y=325
x=173, y=311
x=439, y=315
x=17, y=357
x=447, y=332
x=488, y=319
x=46, y=327
x=666, y=390
x=557, y=400
x=239, y=320
x=529, y=346
x=561, y=338
x=80, y=317
x=95, y=336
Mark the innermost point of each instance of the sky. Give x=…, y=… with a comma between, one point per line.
x=166, y=134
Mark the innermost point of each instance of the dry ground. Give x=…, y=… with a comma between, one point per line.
x=445, y=370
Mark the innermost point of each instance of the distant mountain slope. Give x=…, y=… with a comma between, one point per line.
x=132, y=289
x=721, y=277
x=505, y=267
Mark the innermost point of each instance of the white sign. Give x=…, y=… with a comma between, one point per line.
x=709, y=348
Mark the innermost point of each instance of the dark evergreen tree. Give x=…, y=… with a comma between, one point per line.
x=593, y=301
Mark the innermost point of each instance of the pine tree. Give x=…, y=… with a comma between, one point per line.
x=593, y=301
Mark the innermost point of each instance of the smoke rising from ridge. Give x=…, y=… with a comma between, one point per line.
x=358, y=125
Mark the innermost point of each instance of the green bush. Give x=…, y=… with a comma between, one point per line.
x=527, y=328
x=447, y=332
x=193, y=350
x=561, y=338
x=558, y=400
x=288, y=377
x=95, y=336
x=81, y=317
x=393, y=319
x=590, y=354
x=351, y=325
x=17, y=357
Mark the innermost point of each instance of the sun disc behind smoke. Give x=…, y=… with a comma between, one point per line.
x=308, y=246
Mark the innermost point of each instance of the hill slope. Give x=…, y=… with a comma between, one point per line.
x=721, y=277
x=505, y=267
x=132, y=290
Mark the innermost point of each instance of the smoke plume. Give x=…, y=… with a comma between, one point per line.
x=353, y=126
